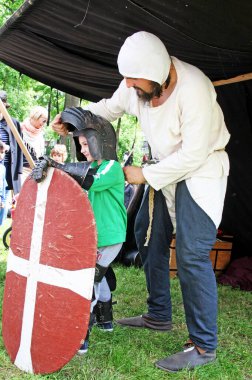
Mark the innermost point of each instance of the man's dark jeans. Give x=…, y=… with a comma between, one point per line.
x=195, y=237
x=155, y=257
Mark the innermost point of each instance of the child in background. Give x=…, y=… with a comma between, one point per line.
x=3, y=183
x=59, y=153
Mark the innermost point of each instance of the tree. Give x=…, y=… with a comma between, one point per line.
x=25, y=92
x=7, y=8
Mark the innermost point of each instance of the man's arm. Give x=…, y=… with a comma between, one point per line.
x=111, y=109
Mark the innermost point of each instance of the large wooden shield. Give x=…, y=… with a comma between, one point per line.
x=50, y=273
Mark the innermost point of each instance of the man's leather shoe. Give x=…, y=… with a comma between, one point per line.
x=144, y=321
x=188, y=359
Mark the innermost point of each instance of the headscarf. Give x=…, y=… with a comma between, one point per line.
x=33, y=137
x=143, y=55
x=30, y=129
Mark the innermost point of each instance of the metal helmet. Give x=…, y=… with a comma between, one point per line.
x=74, y=116
x=99, y=132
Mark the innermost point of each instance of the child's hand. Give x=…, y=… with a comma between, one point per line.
x=1, y=204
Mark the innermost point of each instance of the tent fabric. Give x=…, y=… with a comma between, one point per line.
x=238, y=274
x=236, y=103
x=73, y=46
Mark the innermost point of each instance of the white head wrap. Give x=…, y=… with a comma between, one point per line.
x=143, y=55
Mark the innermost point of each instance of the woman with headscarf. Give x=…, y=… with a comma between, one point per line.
x=33, y=135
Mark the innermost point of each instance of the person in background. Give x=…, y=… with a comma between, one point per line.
x=3, y=183
x=126, y=156
x=33, y=136
x=129, y=188
x=59, y=153
x=177, y=109
x=13, y=160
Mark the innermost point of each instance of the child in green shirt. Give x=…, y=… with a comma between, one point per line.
x=102, y=177
x=106, y=195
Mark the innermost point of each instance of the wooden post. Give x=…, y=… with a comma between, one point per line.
x=16, y=134
x=237, y=79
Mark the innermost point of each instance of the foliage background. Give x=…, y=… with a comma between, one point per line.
x=24, y=93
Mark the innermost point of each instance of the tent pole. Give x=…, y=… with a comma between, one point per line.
x=239, y=78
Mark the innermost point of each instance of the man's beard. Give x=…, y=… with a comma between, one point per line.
x=144, y=96
x=156, y=91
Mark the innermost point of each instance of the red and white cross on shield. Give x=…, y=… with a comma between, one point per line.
x=50, y=274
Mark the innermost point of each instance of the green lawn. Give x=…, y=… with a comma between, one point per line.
x=127, y=354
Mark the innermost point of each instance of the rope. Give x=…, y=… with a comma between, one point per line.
x=85, y=15
x=151, y=211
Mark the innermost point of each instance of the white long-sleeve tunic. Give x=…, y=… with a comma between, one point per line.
x=187, y=134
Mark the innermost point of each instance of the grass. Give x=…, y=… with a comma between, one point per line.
x=127, y=354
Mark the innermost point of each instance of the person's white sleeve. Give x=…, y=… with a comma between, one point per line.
x=113, y=108
x=196, y=112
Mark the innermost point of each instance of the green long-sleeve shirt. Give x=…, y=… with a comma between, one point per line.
x=106, y=196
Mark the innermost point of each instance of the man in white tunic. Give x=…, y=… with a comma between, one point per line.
x=176, y=106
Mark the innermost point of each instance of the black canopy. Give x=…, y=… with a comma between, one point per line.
x=73, y=46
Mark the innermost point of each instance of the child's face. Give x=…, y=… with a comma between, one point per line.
x=57, y=157
x=85, y=148
x=2, y=154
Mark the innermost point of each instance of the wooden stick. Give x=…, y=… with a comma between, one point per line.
x=16, y=134
x=239, y=78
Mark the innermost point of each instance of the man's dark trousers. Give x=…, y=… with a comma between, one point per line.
x=155, y=257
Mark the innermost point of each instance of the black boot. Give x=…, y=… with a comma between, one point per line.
x=104, y=315
x=84, y=344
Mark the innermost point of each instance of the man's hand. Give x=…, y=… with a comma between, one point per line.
x=134, y=175
x=58, y=126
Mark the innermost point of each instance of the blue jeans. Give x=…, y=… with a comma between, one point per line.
x=195, y=237
x=155, y=257
x=4, y=211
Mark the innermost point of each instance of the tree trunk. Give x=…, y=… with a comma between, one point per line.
x=70, y=101
x=118, y=132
